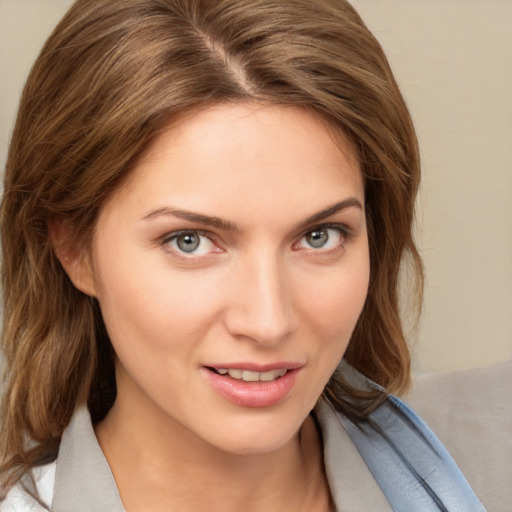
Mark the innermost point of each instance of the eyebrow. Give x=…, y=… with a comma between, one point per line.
x=351, y=202
x=227, y=225
x=199, y=218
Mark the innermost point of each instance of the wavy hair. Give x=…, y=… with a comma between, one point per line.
x=110, y=76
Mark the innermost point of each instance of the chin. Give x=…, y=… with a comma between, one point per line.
x=255, y=435
x=256, y=445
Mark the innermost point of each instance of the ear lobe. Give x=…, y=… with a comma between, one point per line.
x=75, y=260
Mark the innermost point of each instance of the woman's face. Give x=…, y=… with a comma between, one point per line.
x=231, y=270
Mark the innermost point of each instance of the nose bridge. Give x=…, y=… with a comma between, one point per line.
x=263, y=306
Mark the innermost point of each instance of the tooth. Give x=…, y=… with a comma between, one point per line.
x=249, y=376
x=268, y=376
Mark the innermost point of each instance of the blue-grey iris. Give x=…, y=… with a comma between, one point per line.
x=188, y=242
x=317, y=238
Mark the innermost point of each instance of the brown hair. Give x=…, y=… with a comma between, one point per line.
x=111, y=74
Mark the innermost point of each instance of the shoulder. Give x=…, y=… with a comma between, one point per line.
x=18, y=500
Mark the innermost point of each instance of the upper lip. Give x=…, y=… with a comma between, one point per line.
x=257, y=367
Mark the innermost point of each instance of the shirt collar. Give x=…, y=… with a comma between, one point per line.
x=84, y=481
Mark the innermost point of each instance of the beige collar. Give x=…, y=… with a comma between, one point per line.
x=84, y=481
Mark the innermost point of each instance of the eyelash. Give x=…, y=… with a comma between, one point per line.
x=182, y=254
x=346, y=235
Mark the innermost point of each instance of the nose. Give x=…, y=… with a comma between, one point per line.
x=261, y=305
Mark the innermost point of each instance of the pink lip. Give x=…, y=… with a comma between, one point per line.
x=253, y=394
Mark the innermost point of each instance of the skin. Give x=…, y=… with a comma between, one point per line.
x=255, y=290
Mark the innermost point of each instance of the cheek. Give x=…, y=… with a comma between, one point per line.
x=154, y=307
x=334, y=303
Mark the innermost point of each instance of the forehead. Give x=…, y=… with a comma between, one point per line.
x=232, y=126
x=246, y=157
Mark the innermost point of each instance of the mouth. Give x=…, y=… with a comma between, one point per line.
x=249, y=375
x=251, y=385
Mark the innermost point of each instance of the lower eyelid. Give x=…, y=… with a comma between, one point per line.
x=344, y=233
x=166, y=241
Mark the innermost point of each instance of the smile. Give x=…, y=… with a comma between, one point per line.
x=251, y=376
x=251, y=385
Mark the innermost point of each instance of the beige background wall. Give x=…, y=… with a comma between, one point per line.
x=453, y=59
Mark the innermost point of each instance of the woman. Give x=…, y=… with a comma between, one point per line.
x=206, y=207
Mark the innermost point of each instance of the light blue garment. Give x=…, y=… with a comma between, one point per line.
x=411, y=466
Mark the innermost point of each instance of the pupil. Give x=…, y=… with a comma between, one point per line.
x=188, y=242
x=318, y=238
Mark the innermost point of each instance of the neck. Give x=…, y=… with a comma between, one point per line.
x=163, y=466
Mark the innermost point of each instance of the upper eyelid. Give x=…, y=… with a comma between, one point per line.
x=342, y=227
x=164, y=243
x=346, y=231
x=173, y=234
x=347, y=234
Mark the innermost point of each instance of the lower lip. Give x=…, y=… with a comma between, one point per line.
x=252, y=394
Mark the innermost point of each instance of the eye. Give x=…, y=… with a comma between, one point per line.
x=193, y=243
x=323, y=237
